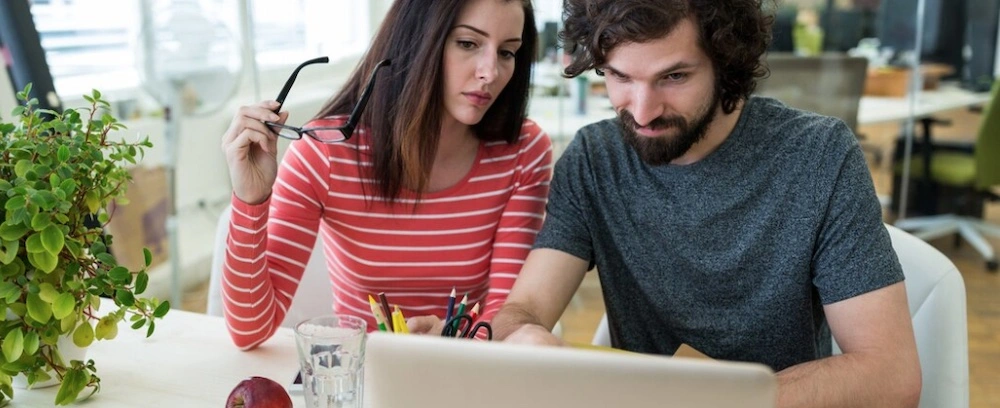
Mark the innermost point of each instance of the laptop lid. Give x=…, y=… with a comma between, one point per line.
x=431, y=372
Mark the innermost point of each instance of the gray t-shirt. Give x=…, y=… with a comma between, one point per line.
x=735, y=254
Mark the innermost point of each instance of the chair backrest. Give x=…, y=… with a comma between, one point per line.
x=314, y=296
x=828, y=84
x=988, y=143
x=936, y=294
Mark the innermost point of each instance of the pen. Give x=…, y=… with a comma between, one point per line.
x=379, y=318
x=388, y=312
x=451, y=306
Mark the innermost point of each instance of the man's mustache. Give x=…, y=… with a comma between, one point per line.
x=661, y=122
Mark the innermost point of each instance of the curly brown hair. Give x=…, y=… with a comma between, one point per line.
x=733, y=33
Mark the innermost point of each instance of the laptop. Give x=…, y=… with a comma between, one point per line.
x=432, y=372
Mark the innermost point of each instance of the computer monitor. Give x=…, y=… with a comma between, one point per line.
x=943, y=35
x=430, y=372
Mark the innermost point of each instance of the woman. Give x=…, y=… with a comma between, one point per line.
x=442, y=185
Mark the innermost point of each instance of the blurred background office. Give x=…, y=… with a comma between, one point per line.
x=913, y=78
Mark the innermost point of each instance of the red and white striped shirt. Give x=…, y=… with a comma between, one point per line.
x=473, y=236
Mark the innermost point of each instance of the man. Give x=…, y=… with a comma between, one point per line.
x=737, y=225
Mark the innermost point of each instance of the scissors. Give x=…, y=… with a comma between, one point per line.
x=454, y=328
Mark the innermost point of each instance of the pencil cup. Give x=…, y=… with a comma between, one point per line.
x=331, y=355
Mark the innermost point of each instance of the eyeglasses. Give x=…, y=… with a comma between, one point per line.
x=323, y=134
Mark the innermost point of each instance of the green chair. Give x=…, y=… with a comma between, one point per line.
x=972, y=170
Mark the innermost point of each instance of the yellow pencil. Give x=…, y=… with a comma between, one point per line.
x=400, y=321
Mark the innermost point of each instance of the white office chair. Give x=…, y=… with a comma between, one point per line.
x=314, y=296
x=936, y=294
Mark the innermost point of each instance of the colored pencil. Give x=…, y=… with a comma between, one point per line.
x=377, y=312
x=387, y=310
x=451, y=307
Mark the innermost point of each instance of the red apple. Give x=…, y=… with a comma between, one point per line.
x=258, y=392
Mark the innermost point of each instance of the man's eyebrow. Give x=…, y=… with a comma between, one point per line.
x=677, y=66
x=483, y=33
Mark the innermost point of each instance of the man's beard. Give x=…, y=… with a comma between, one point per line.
x=661, y=150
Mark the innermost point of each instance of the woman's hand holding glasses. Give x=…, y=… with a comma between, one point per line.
x=252, y=151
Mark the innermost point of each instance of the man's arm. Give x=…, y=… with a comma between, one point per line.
x=879, y=366
x=539, y=296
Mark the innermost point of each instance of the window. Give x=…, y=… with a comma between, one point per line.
x=94, y=43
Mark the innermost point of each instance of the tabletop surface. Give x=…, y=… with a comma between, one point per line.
x=189, y=361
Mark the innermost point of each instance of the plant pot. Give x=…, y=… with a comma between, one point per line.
x=67, y=350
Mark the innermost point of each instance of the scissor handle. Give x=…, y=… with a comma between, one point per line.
x=475, y=330
x=453, y=326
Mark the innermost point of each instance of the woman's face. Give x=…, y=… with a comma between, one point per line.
x=479, y=57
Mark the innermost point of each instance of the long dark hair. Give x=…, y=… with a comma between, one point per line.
x=733, y=33
x=404, y=113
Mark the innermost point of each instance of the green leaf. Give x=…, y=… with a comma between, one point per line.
x=107, y=259
x=107, y=328
x=125, y=298
x=53, y=239
x=74, y=381
x=63, y=305
x=8, y=251
x=9, y=291
x=15, y=202
x=47, y=292
x=93, y=201
x=138, y=323
x=34, y=244
x=152, y=326
x=83, y=335
x=30, y=343
x=13, y=345
x=66, y=324
x=63, y=153
x=121, y=274
x=12, y=232
x=38, y=309
x=44, y=261
x=22, y=167
x=98, y=248
x=162, y=309
x=147, y=256
x=40, y=221
x=141, y=281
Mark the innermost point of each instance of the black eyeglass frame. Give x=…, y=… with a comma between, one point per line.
x=347, y=129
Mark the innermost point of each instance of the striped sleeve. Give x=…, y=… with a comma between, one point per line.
x=522, y=216
x=269, y=245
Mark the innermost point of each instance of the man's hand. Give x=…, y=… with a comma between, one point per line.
x=535, y=335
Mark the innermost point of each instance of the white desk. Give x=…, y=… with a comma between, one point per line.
x=188, y=362
x=558, y=116
x=875, y=109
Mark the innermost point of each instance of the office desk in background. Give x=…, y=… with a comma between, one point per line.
x=877, y=109
x=558, y=115
x=188, y=362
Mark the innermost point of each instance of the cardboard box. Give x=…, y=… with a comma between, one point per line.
x=895, y=82
x=142, y=222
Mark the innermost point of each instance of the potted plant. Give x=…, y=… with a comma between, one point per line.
x=57, y=170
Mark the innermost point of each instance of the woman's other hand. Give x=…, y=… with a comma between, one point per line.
x=429, y=324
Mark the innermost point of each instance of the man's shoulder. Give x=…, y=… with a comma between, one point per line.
x=809, y=131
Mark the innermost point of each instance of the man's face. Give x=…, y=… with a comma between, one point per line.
x=664, y=93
